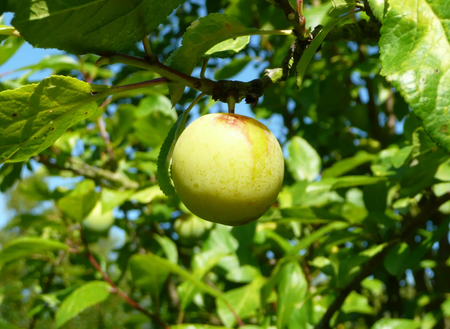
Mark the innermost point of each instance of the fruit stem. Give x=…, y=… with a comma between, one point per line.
x=231, y=101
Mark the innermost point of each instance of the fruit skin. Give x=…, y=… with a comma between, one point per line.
x=227, y=168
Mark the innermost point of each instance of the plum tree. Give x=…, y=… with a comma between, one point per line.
x=227, y=168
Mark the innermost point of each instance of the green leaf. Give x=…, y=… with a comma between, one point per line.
x=201, y=264
x=421, y=143
x=344, y=166
x=243, y=274
x=281, y=241
x=310, y=214
x=35, y=116
x=308, y=240
x=228, y=47
x=98, y=220
x=396, y=324
x=400, y=157
x=394, y=262
x=309, y=53
x=443, y=172
x=147, y=274
x=87, y=295
x=202, y=35
x=303, y=162
x=375, y=286
x=148, y=194
x=379, y=8
x=112, y=198
x=317, y=14
x=244, y=301
x=221, y=240
x=291, y=291
x=101, y=25
x=356, y=303
x=165, y=155
x=421, y=175
x=154, y=119
x=79, y=202
x=27, y=247
x=6, y=325
x=8, y=6
x=200, y=326
x=329, y=184
x=445, y=307
x=414, y=49
x=341, y=7
x=233, y=68
x=275, y=276
x=169, y=247
x=9, y=48
x=420, y=251
x=5, y=29
x=151, y=263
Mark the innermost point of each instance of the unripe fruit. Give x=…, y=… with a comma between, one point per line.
x=97, y=221
x=227, y=168
x=190, y=228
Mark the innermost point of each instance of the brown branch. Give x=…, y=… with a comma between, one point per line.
x=79, y=167
x=116, y=290
x=294, y=17
x=430, y=207
x=103, y=133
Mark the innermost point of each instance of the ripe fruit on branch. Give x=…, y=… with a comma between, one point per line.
x=227, y=168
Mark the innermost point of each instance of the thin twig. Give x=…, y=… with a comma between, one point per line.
x=79, y=167
x=85, y=74
x=115, y=289
x=293, y=16
x=103, y=133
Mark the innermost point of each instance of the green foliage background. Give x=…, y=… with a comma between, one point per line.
x=359, y=236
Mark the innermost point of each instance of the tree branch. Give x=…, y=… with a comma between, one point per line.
x=115, y=289
x=250, y=91
x=103, y=133
x=97, y=174
x=294, y=17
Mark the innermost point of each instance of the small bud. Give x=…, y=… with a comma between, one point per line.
x=291, y=16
